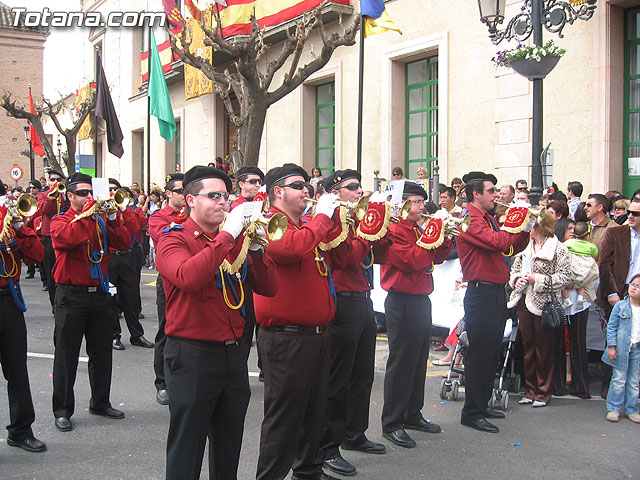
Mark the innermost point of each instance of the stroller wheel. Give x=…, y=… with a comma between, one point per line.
x=504, y=401
x=454, y=390
x=444, y=389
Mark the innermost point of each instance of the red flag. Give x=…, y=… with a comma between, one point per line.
x=173, y=13
x=36, y=145
x=195, y=11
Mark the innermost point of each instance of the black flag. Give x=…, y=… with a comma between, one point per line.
x=106, y=111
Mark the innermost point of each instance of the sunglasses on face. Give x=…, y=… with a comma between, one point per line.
x=635, y=286
x=113, y=189
x=253, y=181
x=179, y=191
x=634, y=213
x=352, y=187
x=55, y=179
x=215, y=195
x=298, y=185
x=83, y=193
x=491, y=189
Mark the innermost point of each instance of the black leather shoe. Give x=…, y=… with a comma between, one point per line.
x=116, y=344
x=31, y=444
x=323, y=476
x=340, y=466
x=162, y=397
x=491, y=413
x=480, y=424
x=141, y=342
x=400, y=438
x=108, y=412
x=45, y=288
x=63, y=424
x=366, y=447
x=30, y=275
x=141, y=316
x=423, y=426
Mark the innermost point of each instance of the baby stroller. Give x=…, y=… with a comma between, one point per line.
x=449, y=386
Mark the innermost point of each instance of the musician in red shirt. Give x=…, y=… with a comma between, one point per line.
x=250, y=179
x=83, y=304
x=406, y=275
x=353, y=337
x=21, y=243
x=294, y=343
x=158, y=221
x=482, y=250
x=205, y=359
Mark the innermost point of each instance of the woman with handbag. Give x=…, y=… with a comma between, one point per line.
x=538, y=274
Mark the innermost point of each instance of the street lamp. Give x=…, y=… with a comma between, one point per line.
x=59, y=144
x=534, y=14
x=27, y=134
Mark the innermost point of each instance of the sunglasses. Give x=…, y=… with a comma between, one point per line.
x=179, y=191
x=491, y=189
x=352, y=187
x=82, y=193
x=55, y=179
x=635, y=286
x=253, y=181
x=113, y=189
x=298, y=185
x=215, y=195
x=634, y=214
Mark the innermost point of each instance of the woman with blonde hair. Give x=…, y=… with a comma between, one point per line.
x=422, y=173
x=541, y=270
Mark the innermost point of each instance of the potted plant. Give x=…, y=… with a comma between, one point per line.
x=530, y=61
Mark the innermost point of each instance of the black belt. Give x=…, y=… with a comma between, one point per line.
x=120, y=252
x=193, y=341
x=294, y=329
x=80, y=288
x=5, y=291
x=365, y=294
x=477, y=283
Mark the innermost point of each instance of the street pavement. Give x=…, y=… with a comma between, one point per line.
x=568, y=439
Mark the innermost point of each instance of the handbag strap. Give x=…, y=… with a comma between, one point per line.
x=550, y=284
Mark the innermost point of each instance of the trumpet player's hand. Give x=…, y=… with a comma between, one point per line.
x=17, y=225
x=112, y=215
x=233, y=222
x=259, y=233
x=327, y=205
x=378, y=197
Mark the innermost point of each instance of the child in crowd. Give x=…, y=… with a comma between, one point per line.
x=623, y=354
x=582, y=255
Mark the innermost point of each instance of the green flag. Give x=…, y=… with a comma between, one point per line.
x=160, y=103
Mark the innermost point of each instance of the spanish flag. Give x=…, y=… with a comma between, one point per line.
x=376, y=18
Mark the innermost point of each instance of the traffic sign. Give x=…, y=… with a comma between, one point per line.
x=16, y=173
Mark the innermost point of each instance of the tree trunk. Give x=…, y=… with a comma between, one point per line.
x=250, y=133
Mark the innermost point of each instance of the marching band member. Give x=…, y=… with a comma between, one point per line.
x=205, y=359
x=21, y=244
x=482, y=249
x=250, y=179
x=83, y=304
x=353, y=338
x=158, y=221
x=406, y=275
x=294, y=342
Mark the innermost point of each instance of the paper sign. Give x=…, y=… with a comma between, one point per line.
x=397, y=187
x=251, y=209
x=100, y=188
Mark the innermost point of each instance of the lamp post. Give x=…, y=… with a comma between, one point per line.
x=59, y=144
x=27, y=134
x=534, y=14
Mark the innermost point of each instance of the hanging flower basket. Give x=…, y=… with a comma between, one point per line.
x=534, y=69
x=530, y=61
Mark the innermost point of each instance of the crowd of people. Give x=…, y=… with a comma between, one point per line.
x=316, y=357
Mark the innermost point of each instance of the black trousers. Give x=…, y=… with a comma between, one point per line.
x=80, y=314
x=13, y=356
x=122, y=273
x=580, y=382
x=485, y=315
x=209, y=396
x=48, y=262
x=161, y=337
x=409, y=334
x=138, y=254
x=353, y=349
x=296, y=382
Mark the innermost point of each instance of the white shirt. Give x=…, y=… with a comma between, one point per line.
x=635, y=324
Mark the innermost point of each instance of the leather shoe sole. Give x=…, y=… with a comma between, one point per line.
x=63, y=424
x=400, y=438
x=141, y=342
x=340, y=466
x=423, y=426
x=162, y=397
x=491, y=413
x=481, y=424
x=30, y=444
x=108, y=413
x=366, y=447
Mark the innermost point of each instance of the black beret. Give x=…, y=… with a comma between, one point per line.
x=173, y=177
x=56, y=172
x=471, y=176
x=332, y=181
x=280, y=173
x=36, y=184
x=412, y=188
x=129, y=191
x=115, y=182
x=200, y=172
x=244, y=171
x=76, y=178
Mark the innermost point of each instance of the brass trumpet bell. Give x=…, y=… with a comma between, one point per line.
x=59, y=190
x=121, y=198
x=453, y=225
x=26, y=205
x=400, y=211
x=276, y=227
x=359, y=208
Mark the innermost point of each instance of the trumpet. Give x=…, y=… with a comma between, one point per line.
x=451, y=224
x=60, y=189
x=104, y=208
x=25, y=206
x=121, y=198
x=275, y=228
x=536, y=212
x=400, y=211
x=359, y=208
